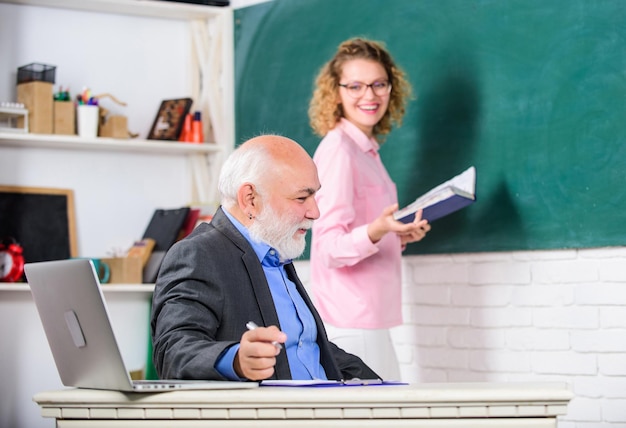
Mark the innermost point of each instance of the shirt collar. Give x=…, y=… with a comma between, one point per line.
x=271, y=259
x=267, y=255
x=364, y=142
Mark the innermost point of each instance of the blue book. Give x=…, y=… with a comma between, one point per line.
x=448, y=197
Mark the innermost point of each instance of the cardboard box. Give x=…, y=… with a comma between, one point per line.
x=64, y=118
x=37, y=97
x=142, y=249
x=125, y=270
x=114, y=127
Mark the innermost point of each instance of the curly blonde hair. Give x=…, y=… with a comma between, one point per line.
x=325, y=112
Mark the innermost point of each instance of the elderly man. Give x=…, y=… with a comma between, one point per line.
x=237, y=269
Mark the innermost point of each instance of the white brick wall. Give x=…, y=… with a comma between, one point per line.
x=520, y=316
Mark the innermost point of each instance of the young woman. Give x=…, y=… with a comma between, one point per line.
x=356, y=244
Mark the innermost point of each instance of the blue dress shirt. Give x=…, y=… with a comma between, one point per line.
x=295, y=318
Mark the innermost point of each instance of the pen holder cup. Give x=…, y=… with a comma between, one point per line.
x=64, y=118
x=87, y=119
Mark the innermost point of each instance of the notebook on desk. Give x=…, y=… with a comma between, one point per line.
x=75, y=318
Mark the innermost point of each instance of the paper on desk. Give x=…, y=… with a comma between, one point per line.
x=326, y=383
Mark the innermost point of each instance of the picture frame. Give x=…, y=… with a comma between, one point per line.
x=42, y=220
x=169, y=120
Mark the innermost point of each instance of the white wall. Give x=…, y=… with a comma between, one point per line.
x=141, y=61
x=520, y=316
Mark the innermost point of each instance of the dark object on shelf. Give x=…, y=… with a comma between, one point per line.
x=164, y=228
x=36, y=72
x=41, y=219
x=205, y=2
x=169, y=120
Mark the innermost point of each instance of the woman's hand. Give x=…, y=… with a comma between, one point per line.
x=385, y=223
x=422, y=227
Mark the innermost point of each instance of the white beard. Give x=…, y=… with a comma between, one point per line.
x=279, y=232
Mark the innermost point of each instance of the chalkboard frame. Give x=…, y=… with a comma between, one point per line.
x=68, y=245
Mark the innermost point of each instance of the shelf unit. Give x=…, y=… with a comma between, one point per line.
x=194, y=166
x=73, y=142
x=162, y=168
x=212, y=87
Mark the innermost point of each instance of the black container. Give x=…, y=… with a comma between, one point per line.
x=36, y=72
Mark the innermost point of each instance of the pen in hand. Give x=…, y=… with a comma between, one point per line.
x=251, y=326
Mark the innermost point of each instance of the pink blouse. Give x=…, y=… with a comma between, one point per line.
x=355, y=283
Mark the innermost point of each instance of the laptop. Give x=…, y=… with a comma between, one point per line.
x=69, y=299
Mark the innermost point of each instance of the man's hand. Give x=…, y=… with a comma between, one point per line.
x=256, y=357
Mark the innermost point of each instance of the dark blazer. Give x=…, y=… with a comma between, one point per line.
x=209, y=286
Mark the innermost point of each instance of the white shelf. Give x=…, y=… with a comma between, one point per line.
x=148, y=8
x=72, y=142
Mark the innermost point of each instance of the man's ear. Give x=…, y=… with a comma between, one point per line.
x=246, y=198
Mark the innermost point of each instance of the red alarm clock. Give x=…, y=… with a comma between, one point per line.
x=11, y=260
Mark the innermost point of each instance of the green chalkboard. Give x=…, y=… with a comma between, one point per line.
x=531, y=92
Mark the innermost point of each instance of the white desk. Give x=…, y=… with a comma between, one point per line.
x=467, y=405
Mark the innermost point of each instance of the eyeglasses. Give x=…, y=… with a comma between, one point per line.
x=358, y=89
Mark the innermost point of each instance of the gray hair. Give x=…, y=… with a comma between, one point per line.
x=247, y=164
